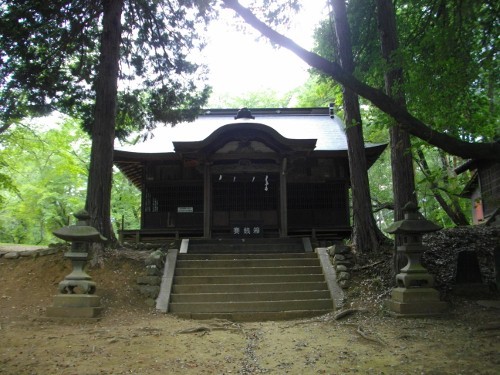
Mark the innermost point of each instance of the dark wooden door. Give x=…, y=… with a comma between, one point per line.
x=245, y=201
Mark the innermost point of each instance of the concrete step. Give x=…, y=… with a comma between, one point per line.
x=243, y=256
x=248, y=285
x=250, y=245
x=250, y=296
x=248, y=271
x=252, y=306
x=247, y=279
x=255, y=316
x=251, y=287
x=243, y=248
x=246, y=263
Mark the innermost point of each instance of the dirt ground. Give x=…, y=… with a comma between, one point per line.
x=133, y=339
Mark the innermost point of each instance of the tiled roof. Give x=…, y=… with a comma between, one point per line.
x=309, y=123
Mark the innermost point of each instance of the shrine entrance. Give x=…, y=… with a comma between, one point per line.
x=245, y=205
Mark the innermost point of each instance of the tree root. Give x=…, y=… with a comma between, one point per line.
x=342, y=314
x=367, y=266
x=360, y=331
x=222, y=326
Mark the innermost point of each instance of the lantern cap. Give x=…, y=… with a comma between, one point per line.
x=413, y=223
x=80, y=232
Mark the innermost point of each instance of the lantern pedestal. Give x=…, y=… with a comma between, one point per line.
x=414, y=295
x=76, y=298
x=414, y=302
x=75, y=306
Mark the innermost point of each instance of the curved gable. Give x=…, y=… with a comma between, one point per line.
x=242, y=138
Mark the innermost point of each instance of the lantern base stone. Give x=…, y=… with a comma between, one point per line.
x=415, y=302
x=75, y=306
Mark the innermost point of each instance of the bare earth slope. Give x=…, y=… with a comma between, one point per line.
x=133, y=339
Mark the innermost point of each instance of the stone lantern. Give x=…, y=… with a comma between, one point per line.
x=76, y=298
x=414, y=294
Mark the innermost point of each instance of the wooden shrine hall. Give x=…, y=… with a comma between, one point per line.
x=259, y=173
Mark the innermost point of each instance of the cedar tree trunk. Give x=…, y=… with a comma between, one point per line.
x=103, y=130
x=366, y=236
x=403, y=177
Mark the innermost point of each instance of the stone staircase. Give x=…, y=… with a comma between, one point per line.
x=249, y=281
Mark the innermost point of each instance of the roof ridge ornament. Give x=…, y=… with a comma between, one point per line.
x=244, y=113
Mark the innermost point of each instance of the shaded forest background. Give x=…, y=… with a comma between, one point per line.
x=449, y=52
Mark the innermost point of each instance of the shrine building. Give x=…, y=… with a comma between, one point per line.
x=259, y=173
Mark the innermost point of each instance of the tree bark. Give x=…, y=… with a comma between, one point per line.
x=365, y=235
x=382, y=101
x=103, y=131
x=403, y=178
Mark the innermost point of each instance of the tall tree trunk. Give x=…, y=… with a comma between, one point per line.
x=103, y=131
x=403, y=177
x=366, y=236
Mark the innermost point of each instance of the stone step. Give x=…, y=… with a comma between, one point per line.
x=247, y=279
x=250, y=296
x=252, y=306
x=255, y=316
x=247, y=263
x=256, y=272
x=251, y=287
x=243, y=256
x=243, y=248
x=249, y=284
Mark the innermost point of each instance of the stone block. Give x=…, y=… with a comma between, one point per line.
x=344, y=276
x=341, y=268
x=341, y=249
x=74, y=306
x=409, y=295
x=415, y=302
x=344, y=283
x=76, y=300
x=12, y=255
x=27, y=253
x=155, y=258
x=150, y=291
x=153, y=270
x=346, y=263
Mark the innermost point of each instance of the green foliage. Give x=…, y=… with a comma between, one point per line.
x=451, y=60
x=46, y=168
x=125, y=203
x=49, y=56
x=319, y=92
x=449, y=55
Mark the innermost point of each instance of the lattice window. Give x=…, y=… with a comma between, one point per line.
x=169, y=198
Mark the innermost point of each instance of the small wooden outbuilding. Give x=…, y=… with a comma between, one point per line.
x=264, y=173
x=483, y=189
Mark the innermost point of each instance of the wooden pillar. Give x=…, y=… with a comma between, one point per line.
x=207, y=201
x=283, y=201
